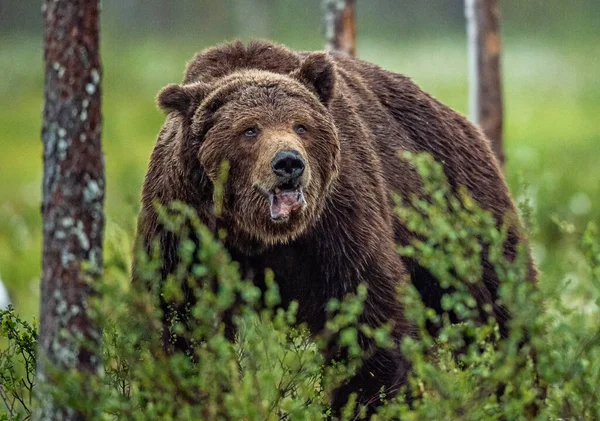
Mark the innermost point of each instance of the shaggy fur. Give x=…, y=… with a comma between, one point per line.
x=357, y=117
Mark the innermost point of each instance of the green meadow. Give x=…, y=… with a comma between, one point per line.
x=552, y=138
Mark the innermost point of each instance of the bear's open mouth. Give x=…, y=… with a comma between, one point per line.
x=284, y=200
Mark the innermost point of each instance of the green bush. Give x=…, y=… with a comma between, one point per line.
x=17, y=365
x=547, y=368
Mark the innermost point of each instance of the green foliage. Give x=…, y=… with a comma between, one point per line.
x=17, y=365
x=555, y=372
x=547, y=368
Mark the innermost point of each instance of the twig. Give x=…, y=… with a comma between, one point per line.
x=9, y=407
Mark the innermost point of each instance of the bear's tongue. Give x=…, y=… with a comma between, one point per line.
x=285, y=202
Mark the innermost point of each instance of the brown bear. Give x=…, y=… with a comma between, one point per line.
x=312, y=140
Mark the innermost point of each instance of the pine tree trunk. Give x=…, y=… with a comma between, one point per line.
x=485, y=102
x=340, y=25
x=73, y=196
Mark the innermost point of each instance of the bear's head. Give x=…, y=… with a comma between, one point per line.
x=278, y=137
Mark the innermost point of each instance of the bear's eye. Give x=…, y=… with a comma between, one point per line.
x=300, y=129
x=251, y=132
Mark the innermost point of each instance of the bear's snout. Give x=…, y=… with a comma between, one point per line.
x=288, y=166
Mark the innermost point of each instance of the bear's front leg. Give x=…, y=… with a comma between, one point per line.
x=384, y=370
x=379, y=378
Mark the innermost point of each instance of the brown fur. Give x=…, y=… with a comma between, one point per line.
x=358, y=117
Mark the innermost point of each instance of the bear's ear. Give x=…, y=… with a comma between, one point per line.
x=318, y=73
x=181, y=98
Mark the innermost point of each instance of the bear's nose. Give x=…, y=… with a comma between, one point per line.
x=288, y=165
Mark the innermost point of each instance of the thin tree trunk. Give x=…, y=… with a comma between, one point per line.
x=340, y=25
x=485, y=86
x=73, y=196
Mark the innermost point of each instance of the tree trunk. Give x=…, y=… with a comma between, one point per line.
x=485, y=86
x=340, y=26
x=73, y=196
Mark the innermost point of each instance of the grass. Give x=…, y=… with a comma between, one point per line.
x=552, y=99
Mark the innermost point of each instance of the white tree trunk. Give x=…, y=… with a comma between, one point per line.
x=340, y=25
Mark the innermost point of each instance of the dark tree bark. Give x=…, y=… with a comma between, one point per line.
x=73, y=196
x=340, y=25
x=485, y=86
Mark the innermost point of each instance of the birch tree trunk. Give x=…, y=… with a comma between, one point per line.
x=73, y=196
x=485, y=84
x=340, y=25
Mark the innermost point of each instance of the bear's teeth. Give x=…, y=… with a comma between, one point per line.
x=277, y=190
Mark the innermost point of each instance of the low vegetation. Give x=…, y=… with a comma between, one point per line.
x=547, y=368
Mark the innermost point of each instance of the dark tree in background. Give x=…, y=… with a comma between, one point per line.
x=340, y=25
x=73, y=195
x=485, y=90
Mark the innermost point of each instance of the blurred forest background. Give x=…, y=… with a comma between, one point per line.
x=551, y=74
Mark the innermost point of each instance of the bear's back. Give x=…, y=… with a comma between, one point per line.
x=218, y=62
